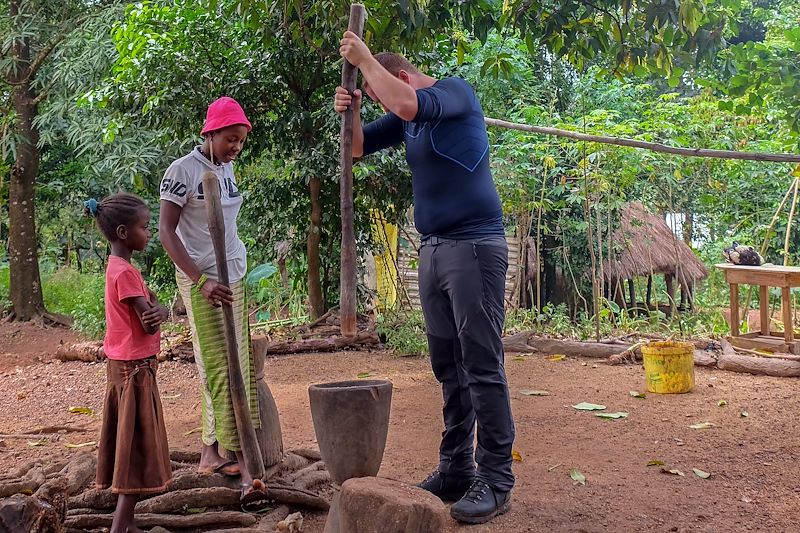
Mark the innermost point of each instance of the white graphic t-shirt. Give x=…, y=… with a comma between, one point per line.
x=183, y=185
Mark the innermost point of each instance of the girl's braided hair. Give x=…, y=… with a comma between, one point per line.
x=121, y=209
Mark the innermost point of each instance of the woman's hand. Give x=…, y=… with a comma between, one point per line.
x=216, y=293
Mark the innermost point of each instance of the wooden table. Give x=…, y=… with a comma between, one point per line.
x=765, y=277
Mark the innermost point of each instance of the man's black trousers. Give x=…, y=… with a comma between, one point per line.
x=462, y=288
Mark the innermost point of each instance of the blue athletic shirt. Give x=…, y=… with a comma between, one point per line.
x=447, y=149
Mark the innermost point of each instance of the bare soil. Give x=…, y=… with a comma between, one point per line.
x=754, y=483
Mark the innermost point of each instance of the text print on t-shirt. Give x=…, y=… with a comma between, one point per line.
x=179, y=189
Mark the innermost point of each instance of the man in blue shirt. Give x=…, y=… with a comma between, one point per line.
x=462, y=267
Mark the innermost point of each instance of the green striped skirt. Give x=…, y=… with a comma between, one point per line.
x=210, y=355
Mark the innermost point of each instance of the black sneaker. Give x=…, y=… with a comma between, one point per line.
x=480, y=504
x=448, y=488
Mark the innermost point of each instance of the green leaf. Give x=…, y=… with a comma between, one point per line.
x=81, y=410
x=531, y=392
x=556, y=357
x=699, y=473
x=619, y=414
x=263, y=271
x=655, y=462
x=637, y=394
x=585, y=406
x=364, y=375
x=577, y=477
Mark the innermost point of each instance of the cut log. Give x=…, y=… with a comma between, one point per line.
x=311, y=455
x=89, y=352
x=192, y=522
x=313, y=467
x=313, y=479
x=290, y=463
x=27, y=485
x=704, y=358
x=183, y=456
x=189, y=498
x=363, y=338
x=94, y=499
x=79, y=472
x=20, y=471
x=26, y=514
x=527, y=342
x=293, y=496
x=759, y=365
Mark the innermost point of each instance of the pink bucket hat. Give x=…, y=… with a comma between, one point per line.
x=224, y=112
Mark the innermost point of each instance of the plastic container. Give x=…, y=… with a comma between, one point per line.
x=669, y=367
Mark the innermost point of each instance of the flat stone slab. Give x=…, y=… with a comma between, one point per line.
x=379, y=505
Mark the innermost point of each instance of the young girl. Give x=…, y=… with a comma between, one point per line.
x=134, y=456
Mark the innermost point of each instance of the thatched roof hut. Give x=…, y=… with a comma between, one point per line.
x=650, y=247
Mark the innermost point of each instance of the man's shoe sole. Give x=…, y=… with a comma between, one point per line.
x=482, y=519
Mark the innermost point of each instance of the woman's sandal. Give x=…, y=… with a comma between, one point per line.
x=253, y=492
x=229, y=468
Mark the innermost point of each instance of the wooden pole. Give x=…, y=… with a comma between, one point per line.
x=655, y=147
x=348, y=278
x=789, y=225
x=244, y=426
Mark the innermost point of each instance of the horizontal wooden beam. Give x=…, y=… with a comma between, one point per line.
x=645, y=145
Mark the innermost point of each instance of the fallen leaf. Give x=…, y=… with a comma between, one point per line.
x=171, y=396
x=515, y=455
x=637, y=394
x=744, y=414
x=519, y=358
x=655, y=462
x=554, y=467
x=585, y=406
x=363, y=375
x=672, y=471
x=577, y=477
x=81, y=410
x=81, y=445
x=556, y=357
x=722, y=403
x=196, y=510
x=699, y=473
x=702, y=425
x=195, y=430
x=21, y=396
x=40, y=442
x=531, y=392
x=619, y=414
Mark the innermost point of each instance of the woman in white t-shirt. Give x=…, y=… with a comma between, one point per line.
x=183, y=230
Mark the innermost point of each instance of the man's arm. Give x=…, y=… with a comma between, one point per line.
x=395, y=95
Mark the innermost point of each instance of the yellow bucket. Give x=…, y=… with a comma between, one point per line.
x=669, y=366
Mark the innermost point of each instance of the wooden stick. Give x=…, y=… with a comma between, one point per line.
x=789, y=225
x=244, y=425
x=765, y=245
x=348, y=277
x=655, y=147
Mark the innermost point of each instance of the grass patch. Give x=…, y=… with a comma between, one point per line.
x=403, y=332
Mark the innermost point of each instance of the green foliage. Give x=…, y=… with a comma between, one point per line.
x=403, y=331
x=69, y=292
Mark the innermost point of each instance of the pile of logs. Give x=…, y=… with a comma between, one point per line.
x=60, y=497
x=322, y=335
x=709, y=353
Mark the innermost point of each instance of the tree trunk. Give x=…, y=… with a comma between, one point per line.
x=315, y=299
x=26, y=287
x=688, y=227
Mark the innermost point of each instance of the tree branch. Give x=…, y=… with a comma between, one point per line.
x=655, y=147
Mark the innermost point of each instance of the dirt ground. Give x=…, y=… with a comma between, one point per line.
x=754, y=483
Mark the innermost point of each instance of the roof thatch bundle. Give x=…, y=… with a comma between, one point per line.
x=648, y=246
